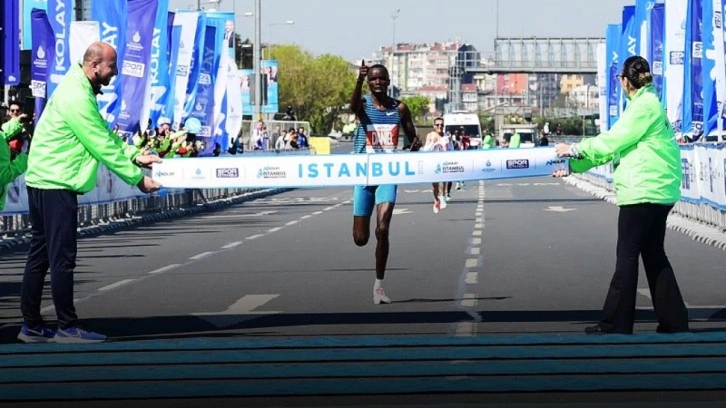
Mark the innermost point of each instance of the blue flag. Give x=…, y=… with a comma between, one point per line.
x=204, y=100
x=657, y=48
x=10, y=43
x=196, y=65
x=134, y=66
x=174, y=45
x=43, y=46
x=157, y=85
x=60, y=15
x=612, y=61
x=28, y=6
x=112, y=19
x=692, y=122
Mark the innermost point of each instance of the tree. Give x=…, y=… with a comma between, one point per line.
x=417, y=104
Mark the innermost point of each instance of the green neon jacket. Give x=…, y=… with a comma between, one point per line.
x=643, y=149
x=515, y=141
x=71, y=138
x=9, y=170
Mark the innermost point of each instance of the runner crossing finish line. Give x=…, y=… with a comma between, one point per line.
x=356, y=170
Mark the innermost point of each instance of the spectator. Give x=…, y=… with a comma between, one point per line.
x=302, y=140
x=10, y=168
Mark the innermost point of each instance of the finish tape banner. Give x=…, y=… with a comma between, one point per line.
x=352, y=170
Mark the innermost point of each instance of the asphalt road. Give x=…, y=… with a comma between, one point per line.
x=506, y=260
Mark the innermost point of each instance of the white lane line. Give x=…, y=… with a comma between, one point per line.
x=476, y=241
x=644, y=292
x=273, y=229
x=479, y=219
x=476, y=233
x=232, y=245
x=471, y=263
x=200, y=256
x=164, y=269
x=329, y=208
x=292, y=222
x=317, y=212
x=478, y=214
x=478, y=226
x=465, y=329
x=52, y=307
x=305, y=217
x=115, y=285
x=472, y=278
x=469, y=300
x=475, y=251
x=251, y=237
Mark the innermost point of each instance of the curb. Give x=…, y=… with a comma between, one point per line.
x=698, y=231
x=112, y=225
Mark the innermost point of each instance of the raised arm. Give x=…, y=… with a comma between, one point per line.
x=356, y=100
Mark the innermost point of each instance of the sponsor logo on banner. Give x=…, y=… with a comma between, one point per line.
x=228, y=172
x=163, y=173
x=205, y=79
x=40, y=62
x=449, y=167
x=271, y=172
x=557, y=161
x=677, y=57
x=518, y=164
x=182, y=70
x=488, y=168
x=198, y=174
x=134, y=69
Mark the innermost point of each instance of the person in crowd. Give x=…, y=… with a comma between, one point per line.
x=302, y=139
x=647, y=180
x=12, y=164
x=69, y=141
x=515, y=141
x=380, y=118
x=437, y=141
x=544, y=141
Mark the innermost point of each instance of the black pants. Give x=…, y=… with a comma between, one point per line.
x=54, y=218
x=641, y=232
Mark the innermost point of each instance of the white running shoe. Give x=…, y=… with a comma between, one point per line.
x=458, y=186
x=442, y=200
x=379, y=296
x=437, y=206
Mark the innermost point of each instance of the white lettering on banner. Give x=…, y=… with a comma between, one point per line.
x=37, y=88
x=631, y=45
x=697, y=49
x=110, y=36
x=60, y=46
x=134, y=69
x=155, y=52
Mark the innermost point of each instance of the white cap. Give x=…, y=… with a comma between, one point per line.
x=163, y=121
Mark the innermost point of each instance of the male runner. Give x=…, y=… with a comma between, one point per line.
x=436, y=142
x=380, y=118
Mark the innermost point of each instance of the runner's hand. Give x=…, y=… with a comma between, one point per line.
x=363, y=71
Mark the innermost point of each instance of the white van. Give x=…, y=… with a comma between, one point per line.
x=469, y=122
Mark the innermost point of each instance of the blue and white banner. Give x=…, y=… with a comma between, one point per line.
x=187, y=23
x=174, y=42
x=692, y=119
x=640, y=27
x=270, y=70
x=225, y=71
x=689, y=185
x=711, y=170
x=112, y=18
x=28, y=6
x=60, y=15
x=714, y=72
x=675, y=43
x=204, y=100
x=628, y=44
x=10, y=43
x=351, y=170
x=158, y=84
x=657, y=48
x=246, y=78
x=196, y=65
x=602, y=85
x=135, y=62
x=233, y=122
x=612, y=61
x=43, y=46
x=83, y=34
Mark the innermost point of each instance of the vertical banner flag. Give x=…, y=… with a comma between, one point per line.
x=112, y=18
x=640, y=26
x=43, y=45
x=83, y=34
x=187, y=22
x=196, y=65
x=135, y=62
x=628, y=45
x=157, y=84
x=245, y=82
x=224, y=63
x=714, y=72
x=675, y=42
x=655, y=58
x=174, y=41
x=692, y=118
x=269, y=74
x=204, y=100
x=612, y=61
x=28, y=6
x=10, y=43
x=60, y=15
x=602, y=85
x=233, y=125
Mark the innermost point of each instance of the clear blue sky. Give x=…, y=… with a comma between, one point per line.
x=354, y=29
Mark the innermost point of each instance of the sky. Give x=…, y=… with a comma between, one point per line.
x=355, y=29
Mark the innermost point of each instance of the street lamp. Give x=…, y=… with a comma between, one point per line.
x=269, y=34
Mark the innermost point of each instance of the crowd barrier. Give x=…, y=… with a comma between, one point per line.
x=703, y=188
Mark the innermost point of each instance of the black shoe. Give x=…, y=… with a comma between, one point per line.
x=597, y=329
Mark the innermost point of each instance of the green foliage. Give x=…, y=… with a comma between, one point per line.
x=318, y=88
x=417, y=104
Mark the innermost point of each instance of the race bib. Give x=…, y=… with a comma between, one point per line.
x=381, y=138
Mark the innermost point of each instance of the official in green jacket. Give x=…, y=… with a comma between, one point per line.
x=70, y=140
x=10, y=169
x=647, y=178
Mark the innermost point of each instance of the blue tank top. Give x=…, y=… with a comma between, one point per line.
x=377, y=130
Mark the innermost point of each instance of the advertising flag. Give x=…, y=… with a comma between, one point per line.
x=60, y=15
x=112, y=18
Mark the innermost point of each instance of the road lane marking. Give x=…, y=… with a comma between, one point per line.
x=201, y=256
x=164, y=269
x=469, y=300
x=476, y=241
x=475, y=251
x=293, y=222
x=116, y=285
x=476, y=233
x=232, y=245
x=317, y=212
x=472, y=278
x=471, y=263
x=251, y=237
